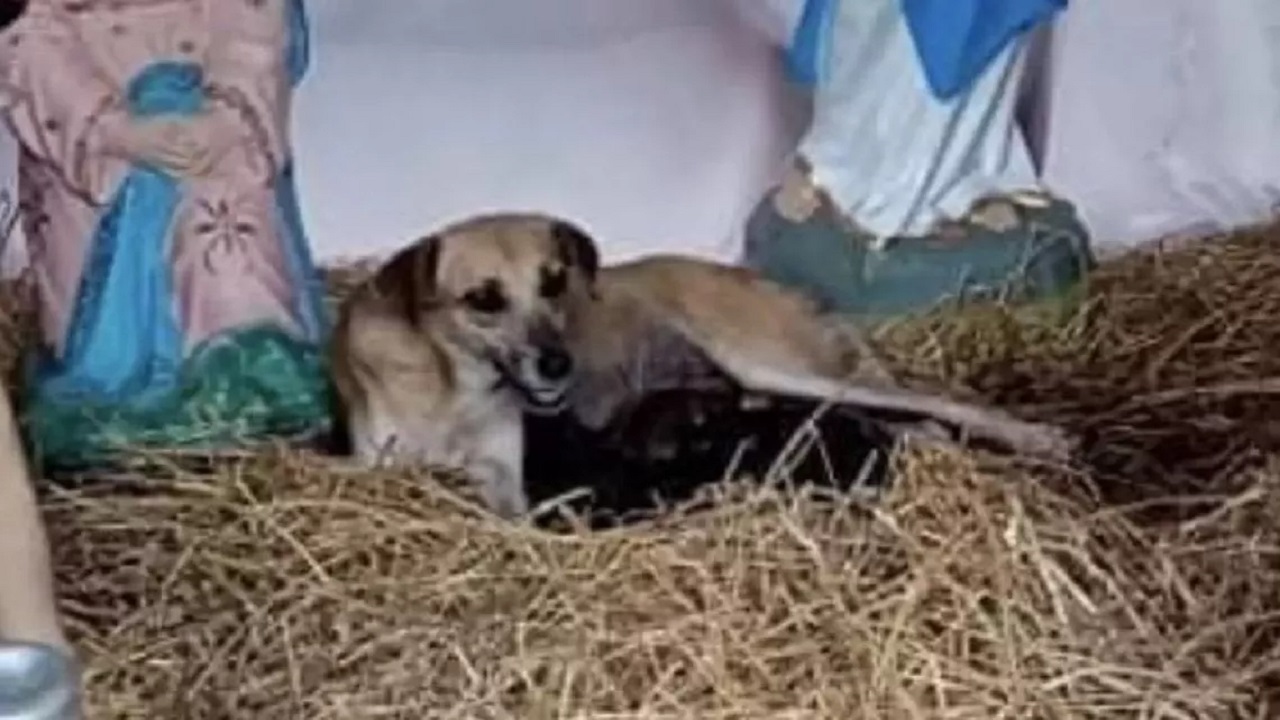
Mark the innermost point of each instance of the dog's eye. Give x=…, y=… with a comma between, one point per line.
x=488, y=300
x=554, y=283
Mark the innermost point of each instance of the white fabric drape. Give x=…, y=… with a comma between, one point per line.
x=1164, y=119
x=656, y=123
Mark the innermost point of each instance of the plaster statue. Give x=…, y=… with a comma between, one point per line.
x=179, y=306
x=914, y=183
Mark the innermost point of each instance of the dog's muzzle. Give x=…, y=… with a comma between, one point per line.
x=540, y=378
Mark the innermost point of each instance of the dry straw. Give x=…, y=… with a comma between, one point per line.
x=1144, y=585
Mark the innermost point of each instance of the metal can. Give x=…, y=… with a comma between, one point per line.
x=38, y=682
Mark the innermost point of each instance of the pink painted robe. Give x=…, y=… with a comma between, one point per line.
x=64, y=68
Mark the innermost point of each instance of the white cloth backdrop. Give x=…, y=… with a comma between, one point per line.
x=15, y=251
x=658, y=123
x=655, y=123
x=1164, y=118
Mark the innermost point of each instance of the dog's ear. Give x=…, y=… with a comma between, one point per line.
x=409, y=278
x=577, y=249
x=10, y=11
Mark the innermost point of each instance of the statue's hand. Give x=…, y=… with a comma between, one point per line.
x=205, y=140
x=179, y=146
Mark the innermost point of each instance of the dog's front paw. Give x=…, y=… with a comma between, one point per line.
x=1045, y=441
x=501, y=490
x=510, y=509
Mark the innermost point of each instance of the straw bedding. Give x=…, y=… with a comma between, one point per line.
x=1145, y=584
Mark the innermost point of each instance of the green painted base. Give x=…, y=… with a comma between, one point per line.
x=234, y=390
x=1045, y=256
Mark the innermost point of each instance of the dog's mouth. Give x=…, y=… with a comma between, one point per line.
x=536, y=398
x=543, y=401
x=539, y=400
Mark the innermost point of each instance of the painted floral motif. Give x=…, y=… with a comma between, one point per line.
x=222, y=231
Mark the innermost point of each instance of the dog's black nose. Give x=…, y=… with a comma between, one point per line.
x=554, y=364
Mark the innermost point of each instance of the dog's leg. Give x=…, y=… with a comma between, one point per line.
x=373, y=438
x=498, y=467
x=1027, y=437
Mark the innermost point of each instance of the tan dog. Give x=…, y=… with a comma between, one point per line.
x=437, y=357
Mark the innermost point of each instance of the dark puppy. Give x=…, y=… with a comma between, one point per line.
x=670, y=444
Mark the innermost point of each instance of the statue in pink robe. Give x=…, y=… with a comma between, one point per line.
x=178, y=301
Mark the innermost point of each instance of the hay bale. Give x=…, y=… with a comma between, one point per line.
x=1168, y=371
x=280, y=587
x=284, y=585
